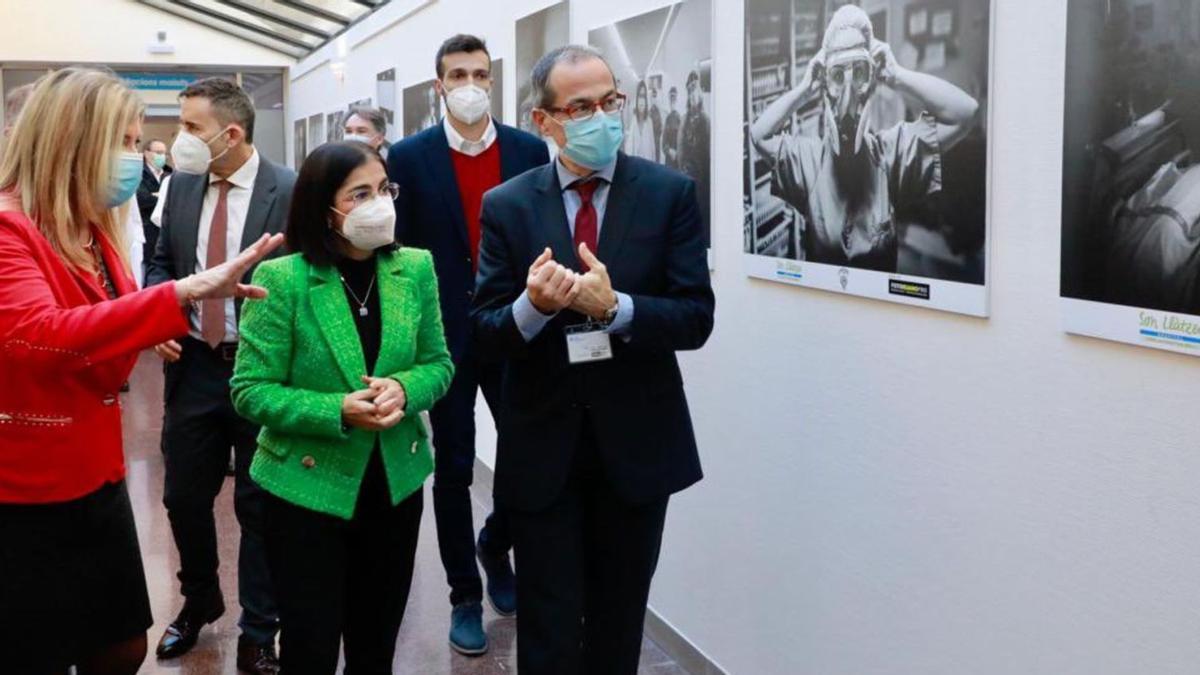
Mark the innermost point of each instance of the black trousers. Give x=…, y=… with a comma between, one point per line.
x=150, y=231
x=343, y=580
x=453, y=422
x=584, y=567
x=199, y=430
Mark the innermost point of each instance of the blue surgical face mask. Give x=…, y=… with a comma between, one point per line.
x=126, y=178
x=593, y=143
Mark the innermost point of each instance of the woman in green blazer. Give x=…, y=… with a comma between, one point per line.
x=336, y=364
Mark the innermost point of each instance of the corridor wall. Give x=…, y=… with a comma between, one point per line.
x=891, y=490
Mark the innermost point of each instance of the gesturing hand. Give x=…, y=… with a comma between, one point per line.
x=596, y=294
x=223, y=281
x=551, y=287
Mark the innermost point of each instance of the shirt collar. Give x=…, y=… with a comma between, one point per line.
x=470, y=148
x=244, y=176
x=566, y=179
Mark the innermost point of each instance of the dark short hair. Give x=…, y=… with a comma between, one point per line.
x=230, y=102
x=460, y=43
x=146, y=144
x=539, y=80
x=673, y=91
x=372, y=116
x=693, y=77
x=320, y=177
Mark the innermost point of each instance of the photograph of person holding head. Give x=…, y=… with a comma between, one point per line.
x=850, y=182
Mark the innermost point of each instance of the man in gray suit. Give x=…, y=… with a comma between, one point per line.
x=223, y=197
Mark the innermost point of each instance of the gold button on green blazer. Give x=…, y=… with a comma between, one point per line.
x=300, y=355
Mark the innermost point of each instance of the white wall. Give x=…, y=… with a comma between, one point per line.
x=116, y=32
x=898, y=491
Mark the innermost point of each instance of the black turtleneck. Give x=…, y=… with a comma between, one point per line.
x=358, y=276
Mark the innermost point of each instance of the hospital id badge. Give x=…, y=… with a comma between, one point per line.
x=587, y=343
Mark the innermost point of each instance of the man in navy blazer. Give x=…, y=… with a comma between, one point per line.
x=442, y=173
x=593, y=273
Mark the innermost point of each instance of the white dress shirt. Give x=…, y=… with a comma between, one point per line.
x=135, y=236
x=238, y=202
x=469, y=148
x=160, y=201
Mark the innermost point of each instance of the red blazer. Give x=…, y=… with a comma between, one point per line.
x=65, y=350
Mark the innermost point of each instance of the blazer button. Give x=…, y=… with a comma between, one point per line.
x=308, y=462
x=109, y=400
x=415, y=445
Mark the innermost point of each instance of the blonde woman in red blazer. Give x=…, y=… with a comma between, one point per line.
x=72, y=322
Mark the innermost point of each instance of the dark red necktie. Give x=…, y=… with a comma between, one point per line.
x=212, y=312
x=587, y=230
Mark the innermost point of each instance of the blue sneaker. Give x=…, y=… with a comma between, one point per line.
x=466, y=629
x=501, y=582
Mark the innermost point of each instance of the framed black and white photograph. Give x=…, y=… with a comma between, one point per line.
x=497, y=93
x=663, y=62
x=385, y=94
x=865, y=151
x=422, y=107
x=1131, y=173
x=316, y=131
x=536, y=34
x=299, y=143
x=335, y=129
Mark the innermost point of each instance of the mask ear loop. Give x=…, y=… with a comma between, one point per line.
x=209, y=144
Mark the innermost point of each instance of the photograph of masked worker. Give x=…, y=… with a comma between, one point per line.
x=865, y=182
x=669, y=47
x=1131, y=168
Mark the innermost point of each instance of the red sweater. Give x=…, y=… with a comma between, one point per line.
x=476, y=175
x=65, y=349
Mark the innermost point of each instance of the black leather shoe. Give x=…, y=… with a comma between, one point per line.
x=179, y=637
x=256, y=659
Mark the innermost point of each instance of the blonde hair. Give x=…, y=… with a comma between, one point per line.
x=59, y=160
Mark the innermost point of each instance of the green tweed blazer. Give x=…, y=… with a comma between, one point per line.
x=300, y=355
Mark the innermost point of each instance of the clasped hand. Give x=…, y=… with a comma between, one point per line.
x=380, y=406
x=553, y=287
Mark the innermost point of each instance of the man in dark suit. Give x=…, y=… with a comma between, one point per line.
x=596, y=432
x=443, y=173
x=223, y=197
x=154, y=168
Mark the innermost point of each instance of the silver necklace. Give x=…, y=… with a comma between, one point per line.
x=362, y=304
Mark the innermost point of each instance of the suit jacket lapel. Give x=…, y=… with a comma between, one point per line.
x=396, y=310
x=261, y=200
x=337, y=325
x=191, y=205
x=552, y=218
x=510, y=160
x=441, y=168
x=618, y=214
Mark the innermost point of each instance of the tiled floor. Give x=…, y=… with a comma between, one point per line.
x=421, y=649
